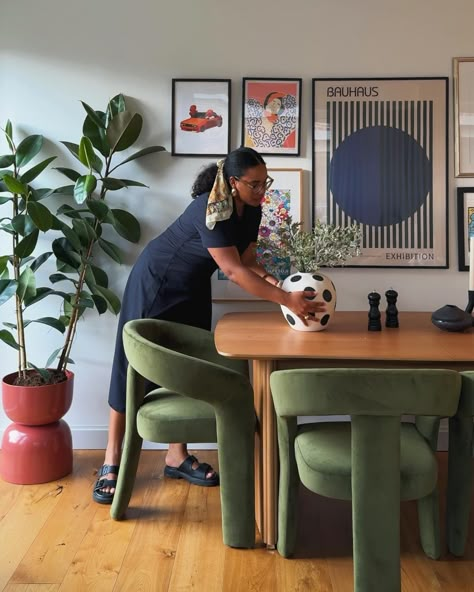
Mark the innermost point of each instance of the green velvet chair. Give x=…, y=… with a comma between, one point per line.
x=461, y=439
x=204, y=397
x=375, y=459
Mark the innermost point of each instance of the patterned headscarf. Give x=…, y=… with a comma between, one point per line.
x=220, y=203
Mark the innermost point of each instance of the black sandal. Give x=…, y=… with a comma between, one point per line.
x=104, y=497
x=197, y=476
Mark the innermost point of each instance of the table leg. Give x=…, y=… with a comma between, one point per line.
x=266, y=468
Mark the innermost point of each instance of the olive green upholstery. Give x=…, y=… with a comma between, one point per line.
x=460, y=468
x=204, y=397
x=374, y=459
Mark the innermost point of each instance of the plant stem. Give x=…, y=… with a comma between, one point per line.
x=22, y=360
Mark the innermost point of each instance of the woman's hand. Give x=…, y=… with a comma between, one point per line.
x=306, y=310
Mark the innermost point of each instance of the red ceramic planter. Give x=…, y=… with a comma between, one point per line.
x=37, y=447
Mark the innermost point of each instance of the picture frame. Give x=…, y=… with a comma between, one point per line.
x=463, y=87
x=380, y=154
x=285, y=197
x=465, y=210
x=200, y=117
x=271, y=115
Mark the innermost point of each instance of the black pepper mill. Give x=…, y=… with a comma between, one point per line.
x=391, y=318
x=374, y=312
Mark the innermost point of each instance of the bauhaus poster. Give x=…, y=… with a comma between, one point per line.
x=380, y=159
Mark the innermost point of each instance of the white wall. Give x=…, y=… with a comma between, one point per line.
x=55, y=53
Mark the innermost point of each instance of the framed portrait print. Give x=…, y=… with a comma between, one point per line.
x=271, y=111
x=283, y=199
x=200, y=123
x=465, y=225
x=463, y=79
x=380, y=160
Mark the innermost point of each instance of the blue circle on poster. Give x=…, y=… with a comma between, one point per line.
x=380, y=176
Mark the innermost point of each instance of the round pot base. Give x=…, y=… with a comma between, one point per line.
x=36, y=454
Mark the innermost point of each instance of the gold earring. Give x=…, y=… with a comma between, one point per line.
x=233, y=191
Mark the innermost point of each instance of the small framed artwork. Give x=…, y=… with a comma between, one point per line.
x=271, y=110
x=463, y=80
x=465, y=225
x=200, y=123
x=283, y=199
x=380, y=153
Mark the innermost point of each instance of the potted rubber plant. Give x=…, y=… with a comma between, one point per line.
x=79, y=224
x=324, y=245
x=33, y=397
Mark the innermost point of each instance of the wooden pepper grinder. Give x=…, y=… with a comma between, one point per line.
x=391, y=318
x=374, y=312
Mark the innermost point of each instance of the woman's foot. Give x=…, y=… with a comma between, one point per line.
x=179, y=466
x=104, y=487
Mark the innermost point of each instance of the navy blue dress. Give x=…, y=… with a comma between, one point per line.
x=171, y=278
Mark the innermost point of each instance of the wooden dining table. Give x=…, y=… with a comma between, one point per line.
x=271, y=344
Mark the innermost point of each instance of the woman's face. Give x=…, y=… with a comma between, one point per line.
x=274, y=106
x=251, y=186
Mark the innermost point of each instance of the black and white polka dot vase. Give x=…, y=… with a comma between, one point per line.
x=324, y=291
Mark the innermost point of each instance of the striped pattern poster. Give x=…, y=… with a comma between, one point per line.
x=380, y=159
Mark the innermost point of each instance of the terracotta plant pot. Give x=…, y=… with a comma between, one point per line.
x=37, y=447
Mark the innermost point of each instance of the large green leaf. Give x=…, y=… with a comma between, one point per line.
x=97, y=134
x=130, y=183
x=116, y=105
x=111, y=250
x=4, y=259
x=69, y=211
x=8, y=338
x=123, y=130
x=100, y=303
x=113, y=184
x=99, y=208
x=35, y=171
x=9, y=134
x=27, y=245
x=98, y=121
x=101, y=278
x=7, y=289
x=86, y=152
x=28, y=149
x=67, y=190
x=40, y=215
x=42, y=293
x=72, y=237
x=23, y=224
x=51, y=322
x=140, y=153
x=69, y=173
x=73, y=148
x=84, y=187
x=39, y=194
x=3, y=199
x=26, y=285
x=126, y=225
x=7, y=160
x=84, y=231
x=54, y=278
x=14, y=185
x=113, y=301
x=40, y=260
x=64, y=252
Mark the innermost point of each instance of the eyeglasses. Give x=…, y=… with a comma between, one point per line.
x=257, y=187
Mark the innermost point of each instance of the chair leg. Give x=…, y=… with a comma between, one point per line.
x=288, y=487
x=126, y=477
x=428, y=521
x=376, y=503
x=236, y=472
x=459, y=483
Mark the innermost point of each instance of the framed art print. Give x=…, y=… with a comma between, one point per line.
x=271, y=110
x=200, y=123
x=380, y=160
x=283, y=199
x=465, y=225
x=463, y=79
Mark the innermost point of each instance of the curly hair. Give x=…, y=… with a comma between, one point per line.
x=235, y=165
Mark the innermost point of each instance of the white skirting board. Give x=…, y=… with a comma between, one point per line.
x=96, y=438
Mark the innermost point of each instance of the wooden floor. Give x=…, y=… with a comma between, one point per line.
x=53, y=537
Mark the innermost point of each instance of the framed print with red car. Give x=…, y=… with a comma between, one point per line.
x=271, y=111
x=200, y=124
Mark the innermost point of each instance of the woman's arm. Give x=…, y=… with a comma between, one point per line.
x=249, y=259
x=252, y=281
